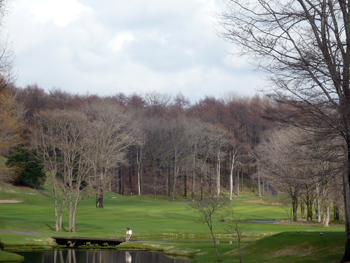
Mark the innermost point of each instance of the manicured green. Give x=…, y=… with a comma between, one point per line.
x=162, y=220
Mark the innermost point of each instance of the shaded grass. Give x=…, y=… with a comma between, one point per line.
x=295, y=247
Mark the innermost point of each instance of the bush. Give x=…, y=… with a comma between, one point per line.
x=29, y=168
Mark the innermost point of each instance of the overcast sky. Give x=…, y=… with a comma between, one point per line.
x=105, y=47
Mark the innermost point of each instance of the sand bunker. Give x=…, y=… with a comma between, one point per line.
x=261, y=202
x=10, y=201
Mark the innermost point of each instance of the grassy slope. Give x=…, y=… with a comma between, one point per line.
x=10, y=257
x=164, y=220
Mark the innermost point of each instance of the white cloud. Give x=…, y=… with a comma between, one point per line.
x=121, y=39
x=110, y=46
x=61, y=12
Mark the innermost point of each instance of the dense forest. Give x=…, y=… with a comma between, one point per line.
x=160, y=144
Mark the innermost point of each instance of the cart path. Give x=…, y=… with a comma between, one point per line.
x=23, y=233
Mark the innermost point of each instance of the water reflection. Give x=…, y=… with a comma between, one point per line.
x=96, y=256
x=128, y=257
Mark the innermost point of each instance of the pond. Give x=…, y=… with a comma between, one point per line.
x=96, y=256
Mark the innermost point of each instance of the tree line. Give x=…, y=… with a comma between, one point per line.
x=150, y=143
x=156, y=144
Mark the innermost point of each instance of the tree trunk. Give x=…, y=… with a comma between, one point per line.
x=231, y=178
x=259, y=183
x=99, y=200
x=130, y=175
x=316, y=209
x=237, y=182
x=214, y=240
x=302, y=209
x=174, y=188
x=121, y=185
x=263, y=186
x=167, y=183
x=295, y=207
x=201, y=186
x=218, y=189
x=253, y=186
x=185, y=184
x=176, y=173
x=318, y=203
x=64, y=197
x=225, y=173
x=309, y=209
x=336, y=212
x=193, y=177
x=242, y=179
x=238, y=241
x=154, y=180
x=346, y=183
x=57, y=226
x=76, y=202
x=139, y=170
x=70, y=200
x=326, y=217
x=70, y=211
x=99, y=194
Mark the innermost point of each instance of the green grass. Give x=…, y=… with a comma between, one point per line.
x=161, y=220
x=10, y=257
x=296, y=247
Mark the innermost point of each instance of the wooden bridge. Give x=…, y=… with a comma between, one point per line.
x=86, y=241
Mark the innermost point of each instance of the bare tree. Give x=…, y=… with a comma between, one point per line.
x=62, y=138
x=48, y=145
x=156, y=132
x=139, y=157
x=233, y=225
x=111, y=133
x=255, y=156
x=7, y=76
x=74, y=166
x=213, y=139
x=290, y=159
x=195, y=137
x=208, y=209
x=179, y=148
x=305, y=45
x=276, y=163
x=200, y=141
x=156, y=103
x=33, y=99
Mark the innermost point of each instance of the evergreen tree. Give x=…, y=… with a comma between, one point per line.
x=29, y=168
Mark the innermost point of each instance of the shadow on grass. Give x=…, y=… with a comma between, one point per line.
x=54, y=229
x=51, y=227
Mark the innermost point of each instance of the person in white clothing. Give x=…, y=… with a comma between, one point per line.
x=128, y=234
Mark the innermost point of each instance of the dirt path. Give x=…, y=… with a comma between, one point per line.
x=10, y=201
